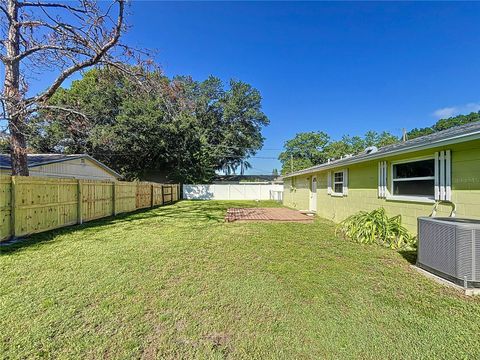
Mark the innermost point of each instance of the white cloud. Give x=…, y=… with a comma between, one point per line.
x=472, y=107
x=447, y=112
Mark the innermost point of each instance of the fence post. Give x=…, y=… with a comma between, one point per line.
x=12, y=206
x=136, y=194
x=114, y=198
x=151, y=195
x=79, y=202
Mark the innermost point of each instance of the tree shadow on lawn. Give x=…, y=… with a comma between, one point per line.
x=182, y=214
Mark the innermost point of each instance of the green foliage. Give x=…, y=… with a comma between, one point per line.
x=313, y=148
x=444, y=124
x=295, y=164
x=376, y=227
x=176, y=127
x=304, y=150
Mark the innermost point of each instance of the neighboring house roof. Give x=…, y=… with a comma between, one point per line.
x=44, y=159
x=453, y=135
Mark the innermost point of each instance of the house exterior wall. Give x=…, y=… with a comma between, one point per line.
x=74, y=168
x=363, y=188
x=296, y=192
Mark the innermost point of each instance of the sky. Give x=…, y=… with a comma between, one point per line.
x=342, y=68
x=338, y=67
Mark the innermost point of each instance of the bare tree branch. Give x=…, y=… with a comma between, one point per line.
x=63, y=109
x=5, y=12
x=51, y=35
x=35, y=49
x=86, y=63
x=51, y=5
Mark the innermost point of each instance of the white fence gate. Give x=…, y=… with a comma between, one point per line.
x=233, y=192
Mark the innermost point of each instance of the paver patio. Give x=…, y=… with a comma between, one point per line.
x=266, y=214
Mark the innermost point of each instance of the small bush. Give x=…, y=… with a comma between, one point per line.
x=376, y=227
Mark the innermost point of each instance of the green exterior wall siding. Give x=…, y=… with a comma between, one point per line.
x=363, y=188
x=297, y=195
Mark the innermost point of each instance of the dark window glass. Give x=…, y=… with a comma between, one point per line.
x=421, y=168
x=339, y=177
x=339, y=188
x=414, y=187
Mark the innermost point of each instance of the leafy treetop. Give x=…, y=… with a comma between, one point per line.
x=313, y=148
x=183, y=129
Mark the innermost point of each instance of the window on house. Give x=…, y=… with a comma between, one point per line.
x=338, y=182
x=414, y=178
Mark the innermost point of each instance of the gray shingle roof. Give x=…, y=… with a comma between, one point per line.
x=43, y=159
x=457, y=133
x=37, y=159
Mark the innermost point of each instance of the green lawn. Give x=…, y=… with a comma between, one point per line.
x=178, y=282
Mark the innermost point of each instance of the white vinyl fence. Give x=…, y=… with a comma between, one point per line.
x=233, y=192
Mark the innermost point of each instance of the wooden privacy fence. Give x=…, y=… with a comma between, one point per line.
x=33, y=204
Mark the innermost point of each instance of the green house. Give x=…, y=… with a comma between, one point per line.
x=407, y=178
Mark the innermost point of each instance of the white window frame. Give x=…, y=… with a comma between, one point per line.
x=414, y=198
x=334, y=193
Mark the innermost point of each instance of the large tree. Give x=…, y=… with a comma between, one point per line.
x=444, y=124
x=187, y=129
x=304, y=150
x=55, y=38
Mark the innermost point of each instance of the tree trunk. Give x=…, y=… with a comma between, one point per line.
x=18, y=146
x=16, y=124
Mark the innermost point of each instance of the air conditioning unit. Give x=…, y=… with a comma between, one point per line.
x=450, y=248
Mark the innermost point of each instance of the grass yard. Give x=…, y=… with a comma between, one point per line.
x=178, y=282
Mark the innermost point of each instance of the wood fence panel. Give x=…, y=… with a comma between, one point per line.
x=144, y=195
x=43, y=204
x=5, y=207
x=125, y=196
x=34, y=204
x=97, y=199
x=167, y=194
x=174, y=192
x=157, y=195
